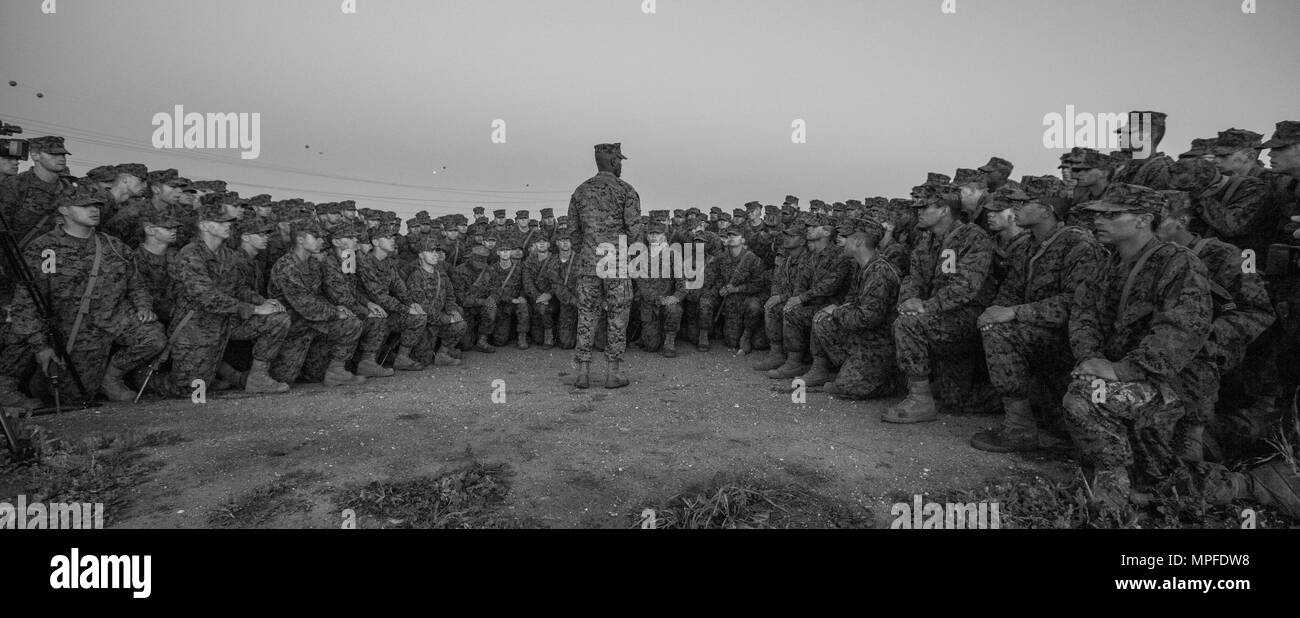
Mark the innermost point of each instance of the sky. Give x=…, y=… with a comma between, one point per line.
x=393, y=105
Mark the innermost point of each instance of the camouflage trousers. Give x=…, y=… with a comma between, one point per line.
x=374, y=332
x=197, y=352
x=479, y=321
x=1130, y=425
x=137, y=343
x=697, y=314
x=430, y=334
x=608, y=298
x=658, y=320
x=338, y=340
x=796, y=326
x=543, y=315
x=508, y=312
x=1018, y=355
x=740, y=313
x=944, y=348
x=865, y=360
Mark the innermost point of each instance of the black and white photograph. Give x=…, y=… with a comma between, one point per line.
x=384, y=272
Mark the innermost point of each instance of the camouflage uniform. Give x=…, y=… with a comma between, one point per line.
x=507, y=284
x=535, y=284
x=858, y=336
x=602, y=209
x=563, y=284
x=436, y=294
x=1234, y=209
x=784, y=280
x=155, y=274
x=110, y=311
x=1152, y=172
x=299, y=285
x=659, y=320
x=212, y=285
x=385, y=286
x=475, y=293
x=742, y=311
x=820, y=281
x=1150, y=323
x=28, y=203
x=953, y=295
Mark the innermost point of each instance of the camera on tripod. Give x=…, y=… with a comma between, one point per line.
x=12, y=148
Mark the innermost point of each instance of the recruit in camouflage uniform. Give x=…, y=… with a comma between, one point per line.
x=743, y=280
x=27, y=199
x=298, y=283
x=601, y=210
x=562, y=282
x=153, y=260
x=214, y=305
x=822, y=275
x=660, y=294
x=382, y=282
x=1153, y=171
x=539, y=292
x=784, y=275
x=945, y=290
x=475, y=294
x=506, y=281
x=1026, y=342
x=430, y=287
x=857, y=337
x=100, y=302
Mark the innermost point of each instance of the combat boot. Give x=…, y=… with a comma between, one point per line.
x=11, y=397
x=793, y=367
x=1276, y=484
x=918, y=407
x=483, y=346
x=820, y=373
x=703, y=343
x=548, y=340
x=1019, y=431
x=584, y=375
x=113, y=387
x=614, y=377
x=1112, y=491
x=444, y=359
x=260, y=382
x=1190, y=448
x=746, y=343
x=670, y=345
x=404, y=362
x=338, y=375
x=522, y=341
x=368, y=367
x=775, y=358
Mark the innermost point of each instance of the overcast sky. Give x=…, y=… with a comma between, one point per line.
x=702, y=93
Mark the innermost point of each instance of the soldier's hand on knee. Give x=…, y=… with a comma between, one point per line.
x=266, y=308
x=146, y=316
x=43, y=359
x=344, y=313
x=376, y=311
x=911, y=306
x=544, y=298
x=668, y=300
x=996, y=315
x=771, y=302
x=1098, y=368
x=794, y=303
x=519, y=301
x=415, y=309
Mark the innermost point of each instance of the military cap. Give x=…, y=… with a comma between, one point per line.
x=861, y=224
x=1119, y=158
x=1083, y=157
x=257, y=225
x=853, y=204
x=900, y=203
x=103, y=173
x=308, y=226
x=935, y=178
x=1007, y=196
x=965, y=176
x=158, y=177
x=659, y=215
x=997, y=164
x=260, y=200
x=610, y=149
x=796, y=228
x=1200, y=148
x=159, y=218
x=816, y=204
x=210, y=185
x=1232, y=140
x=548, y=213
x=135, y=169
x=1157, y=119
x=50, y=144
x=733, y=231
x=739, y=213
x=212, y=198
x=82, y=196
x=215, y=212
x=722, y=216
x=346, y=229
x=656, y=227
x=1286, y=134
x=1176, y=201
x=385, y=230
x=715, y=210
x=1123, y=197
x=500, y=214
x=752, y=206
x=770, y=210
x=678, y=213
x=1038, y=187
x=521, y=214
x=347, y=205
x=693, y=212
x=787, y=209
x=876, y=202
x=790, y=199
x=459, y=219
x=562, y=231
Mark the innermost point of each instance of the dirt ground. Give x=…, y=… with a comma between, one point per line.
x=580, y=458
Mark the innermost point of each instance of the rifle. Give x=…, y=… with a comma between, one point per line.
x=15, y=264
x=166, y=352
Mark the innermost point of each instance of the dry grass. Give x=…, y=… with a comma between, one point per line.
x=747, y=503
x=469, y=496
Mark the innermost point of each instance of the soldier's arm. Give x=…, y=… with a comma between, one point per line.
x=632, y=213
x=876, y=301
x=974, y=259
x=304, y=300
x=463, y=283
x=1238, y=216
x=532, y=274
x=1085, y=320
x=829, y=282
x=748, y=277
x=188, y=272
x=1180, y=325
x=575, y=218
x=375, y=284
x=1013, y=288
x=912, y=286
x=1248, y=315
x=1082, y=262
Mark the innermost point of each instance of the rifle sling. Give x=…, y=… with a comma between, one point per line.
x=86, y=295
